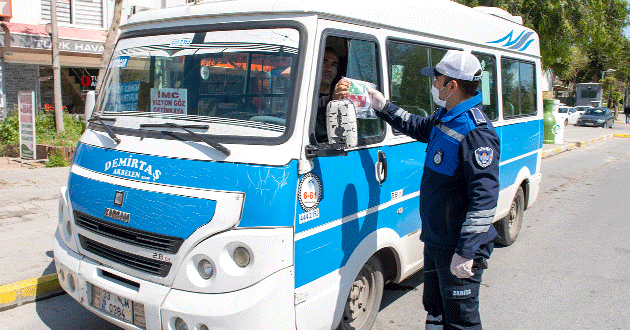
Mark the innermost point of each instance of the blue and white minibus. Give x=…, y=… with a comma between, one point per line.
x=200, y=198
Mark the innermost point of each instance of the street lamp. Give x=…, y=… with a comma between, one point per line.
x=609, y=70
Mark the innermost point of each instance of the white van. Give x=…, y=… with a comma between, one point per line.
x=200, y=197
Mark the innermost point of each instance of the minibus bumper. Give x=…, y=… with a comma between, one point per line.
x=268, y=304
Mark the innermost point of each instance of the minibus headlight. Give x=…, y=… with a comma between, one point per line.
x=600, y=120
x=205, y=268
x=241, y=256
x=180, y=324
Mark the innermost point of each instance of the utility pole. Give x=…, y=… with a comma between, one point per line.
x=56, y=67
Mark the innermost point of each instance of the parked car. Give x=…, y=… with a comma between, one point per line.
x=582, y=109
x=597, y=117
x=569, y=115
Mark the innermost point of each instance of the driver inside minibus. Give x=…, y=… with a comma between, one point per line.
x=329, y=78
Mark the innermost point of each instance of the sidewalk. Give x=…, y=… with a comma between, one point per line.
x=29, y=206
x=577, y=136
x=28, y=219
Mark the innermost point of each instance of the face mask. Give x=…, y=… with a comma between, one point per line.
x=436, y=96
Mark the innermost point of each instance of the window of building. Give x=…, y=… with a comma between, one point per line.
x=519, y=88
x=76, y=12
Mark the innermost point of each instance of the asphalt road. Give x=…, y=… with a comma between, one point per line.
x=567, y=270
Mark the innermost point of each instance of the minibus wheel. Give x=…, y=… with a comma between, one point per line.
x=510, y=226
x=364, y=300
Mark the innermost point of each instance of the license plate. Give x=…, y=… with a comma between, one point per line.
x=112, y=304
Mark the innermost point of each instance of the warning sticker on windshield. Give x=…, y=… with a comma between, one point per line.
x=169, y=100
x=180, y=42
x=119, y=62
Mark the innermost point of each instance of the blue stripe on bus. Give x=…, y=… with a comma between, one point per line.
x=324, y=252
x=520, y=138
x=268, y=189
x=329, y=250
x=517, y=140
x=150, y=211
x=509, y=172
x=349, y=187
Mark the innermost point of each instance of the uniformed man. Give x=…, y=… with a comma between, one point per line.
x=459, y=188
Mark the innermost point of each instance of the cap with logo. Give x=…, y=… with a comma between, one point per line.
x=456, y=64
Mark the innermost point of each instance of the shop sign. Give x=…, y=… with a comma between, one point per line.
x=44, y=42
x=169, y=100
x=26, y=101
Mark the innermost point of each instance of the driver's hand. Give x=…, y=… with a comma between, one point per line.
x=341, y=90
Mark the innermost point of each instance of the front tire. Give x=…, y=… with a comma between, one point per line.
x=364, y=300
x=510, y=226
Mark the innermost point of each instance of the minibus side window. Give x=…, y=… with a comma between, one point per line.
x=362, y=65
x=488, y=86
x=409, y=89
x=357, y=59
x=519, y=90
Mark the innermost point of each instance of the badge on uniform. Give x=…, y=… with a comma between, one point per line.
x=437, y=158
x=484, y=156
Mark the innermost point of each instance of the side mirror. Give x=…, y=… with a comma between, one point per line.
x=341, y=124
x=90, y=100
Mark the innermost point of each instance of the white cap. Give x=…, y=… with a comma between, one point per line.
x=456, y=64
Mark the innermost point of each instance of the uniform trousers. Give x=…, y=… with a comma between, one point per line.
x=451, y=302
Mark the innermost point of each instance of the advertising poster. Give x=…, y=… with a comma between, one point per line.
x=169, y=100
x=26, y=101
x=123, y=97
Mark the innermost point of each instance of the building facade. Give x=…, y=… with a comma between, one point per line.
x=25, y=47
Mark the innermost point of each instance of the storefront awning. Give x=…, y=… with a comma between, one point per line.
x=31, y=43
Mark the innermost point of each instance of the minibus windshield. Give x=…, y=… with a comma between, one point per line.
x=238, y=83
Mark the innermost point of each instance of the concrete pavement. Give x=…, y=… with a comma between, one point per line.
x=28, y=219
x=577, y=136
x=29, y=206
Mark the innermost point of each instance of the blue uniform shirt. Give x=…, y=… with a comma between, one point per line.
x=460, y=182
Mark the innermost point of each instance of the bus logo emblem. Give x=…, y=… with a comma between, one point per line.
x=117, y=215
x=119, y=198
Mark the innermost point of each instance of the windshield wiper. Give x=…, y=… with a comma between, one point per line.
x=205, y=139
x=97, y=119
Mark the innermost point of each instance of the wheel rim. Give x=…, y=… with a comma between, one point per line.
x=357, y=310
x=513, y=216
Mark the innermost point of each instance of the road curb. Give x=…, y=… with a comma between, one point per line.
x=571, y=146
x=22, y=292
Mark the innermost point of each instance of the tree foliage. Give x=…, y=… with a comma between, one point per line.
x=578, y=39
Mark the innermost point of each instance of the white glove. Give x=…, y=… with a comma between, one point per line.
x=461, y=267
x=378, y=100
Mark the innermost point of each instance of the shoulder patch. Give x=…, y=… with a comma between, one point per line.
x=478, y=116
x=483, y=155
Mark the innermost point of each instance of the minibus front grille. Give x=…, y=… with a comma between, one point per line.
x=128, y=235
x=153, y=267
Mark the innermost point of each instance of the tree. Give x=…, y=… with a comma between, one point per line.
x=109, y=42
x=569, y=28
